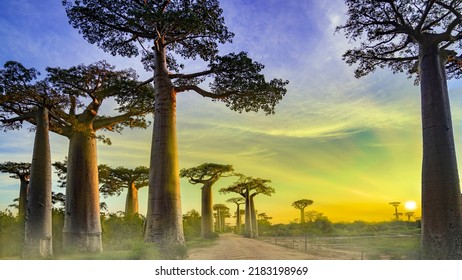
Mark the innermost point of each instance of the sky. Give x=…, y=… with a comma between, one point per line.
x=350, y=145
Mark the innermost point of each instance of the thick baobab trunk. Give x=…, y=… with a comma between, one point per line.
x=248, y=217
x=238, y=218
x=82, y=226
x=23, y=196
x=441, y=210
x=222, y=220
x=38, y=228
x=164, y=224
x=218, y=220
x=131, y=203
x=207, y=211
x=254, y=233
x=302, y=215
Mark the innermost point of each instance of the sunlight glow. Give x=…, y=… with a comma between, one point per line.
x=410, y=205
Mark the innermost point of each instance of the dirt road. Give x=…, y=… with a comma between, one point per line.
x=235, y=247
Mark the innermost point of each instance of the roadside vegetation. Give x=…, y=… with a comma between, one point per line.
x=123, y=237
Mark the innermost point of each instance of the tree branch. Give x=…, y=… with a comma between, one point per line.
x=23, y=117
x=144, y=83
x=164, y=6
x=190, y=76
x=425, y=14
x=203, y=92
x=111, y=121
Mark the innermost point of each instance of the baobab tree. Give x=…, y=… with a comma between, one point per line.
x=238, y=201
x=396, y=205
x=419, y=37
x=248, y=188
x=23, y=98
x=131, y=179
x=113, y=181
x=91, y=84
x=21, y=171
x=159, y=30
x=222, y=212
x=409, y=215
x=301, y=205
x=260, y=186
x=206, y=174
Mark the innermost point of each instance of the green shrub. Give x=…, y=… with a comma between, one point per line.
x=11, y=235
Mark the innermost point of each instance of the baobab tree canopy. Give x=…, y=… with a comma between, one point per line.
x=21, y=94
x=391, y=31
x=302, y=203
x=206, y=172
x=66, y=89
x=247, y=185
x=97, y=82
x=122, y=177
x=190, y=29
x=18, y=169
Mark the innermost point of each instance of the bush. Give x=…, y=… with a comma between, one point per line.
x=119, y=231
x=11, y=235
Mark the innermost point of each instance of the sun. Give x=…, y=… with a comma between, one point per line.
x=410, y=205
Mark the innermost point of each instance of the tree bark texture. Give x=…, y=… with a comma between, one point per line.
x=248, y=217
x=131, y=202
x=38, y=227
x=164, y=224
x=441, y=210
x=254, y=233
x=22, y=197
x=222, y=220
x=82, y=226
x=207, y=211
x=218, y=220
x=238, y=218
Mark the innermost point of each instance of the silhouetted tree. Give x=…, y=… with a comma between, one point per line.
x=248, y=188
x=396, y=214
x=158, y=30
x=131, y=179
x=222, y=212
x=419, y=37
x=409, y=215
x=21, y=171
x=206, y=174
x=238, y=201
x=301, y=205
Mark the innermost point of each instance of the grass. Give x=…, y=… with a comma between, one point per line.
x=200, y=243
x=391, y=247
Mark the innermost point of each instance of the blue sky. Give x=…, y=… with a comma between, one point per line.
x=350, y=145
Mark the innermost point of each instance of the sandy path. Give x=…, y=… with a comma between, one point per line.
x=235, y=247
